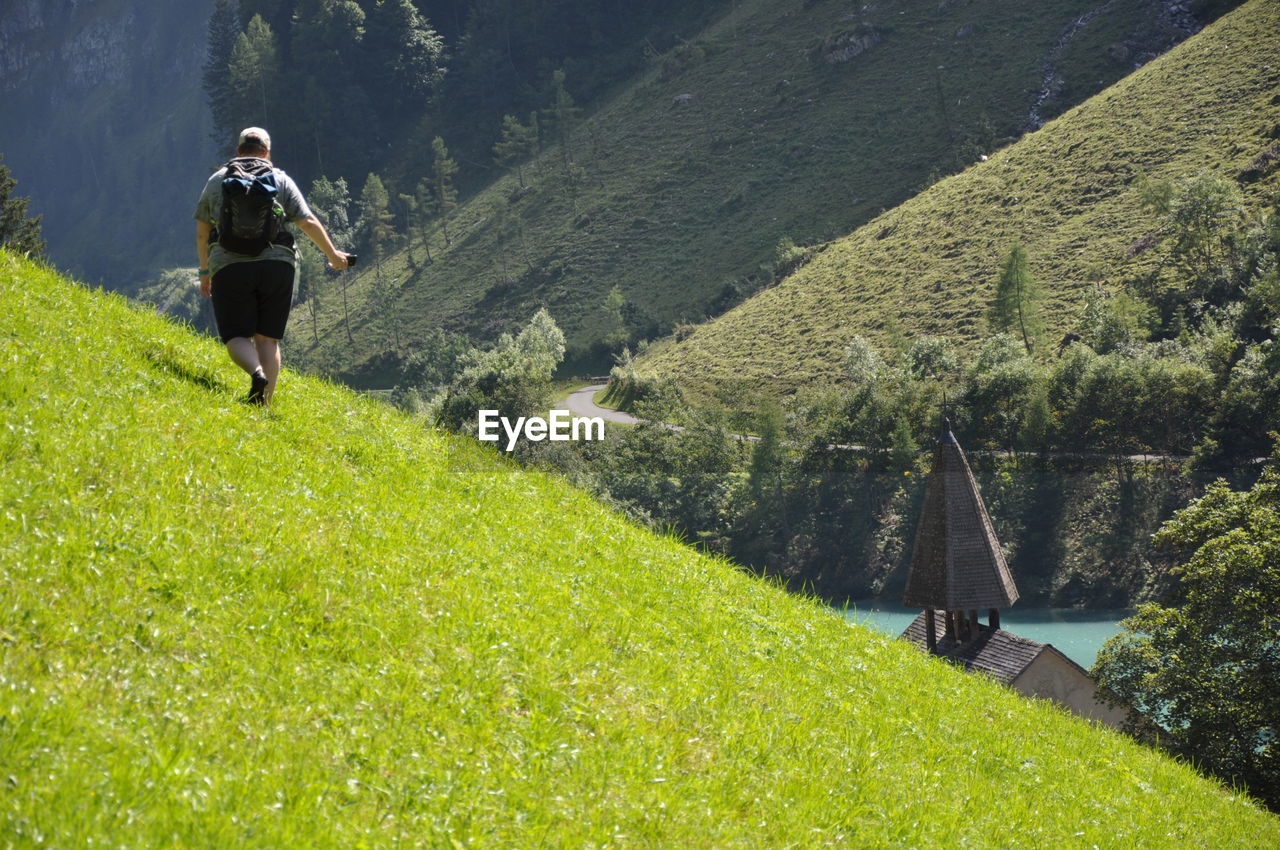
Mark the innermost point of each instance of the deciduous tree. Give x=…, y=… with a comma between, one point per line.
x=1206, y=670
x=616, y=335
x=1205, y=218
x=513, y=377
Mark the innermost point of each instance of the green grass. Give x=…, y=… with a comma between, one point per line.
x=600, y=398
x=677, y=201
x=562, y=387
x=324, y=626
x=1068, y=193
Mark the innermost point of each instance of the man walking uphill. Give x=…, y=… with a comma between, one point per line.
x=248, y=257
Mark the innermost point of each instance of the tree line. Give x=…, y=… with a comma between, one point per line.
x=1181, y=361
x=353, y=86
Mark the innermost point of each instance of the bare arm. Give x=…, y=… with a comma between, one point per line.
x=316, y=233
x=203, y=229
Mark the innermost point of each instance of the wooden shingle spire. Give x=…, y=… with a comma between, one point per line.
x=957, y=564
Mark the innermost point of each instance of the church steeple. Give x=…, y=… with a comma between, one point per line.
x=957, y=565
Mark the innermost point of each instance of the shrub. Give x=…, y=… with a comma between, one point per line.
x=514, y=377
x=788, y=257
x=862, y=363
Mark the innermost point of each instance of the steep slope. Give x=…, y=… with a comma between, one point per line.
x=105, y=127
x=323, y=626
x=794, y=119
x=1069, y=193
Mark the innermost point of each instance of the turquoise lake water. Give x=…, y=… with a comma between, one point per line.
x=1078, y=634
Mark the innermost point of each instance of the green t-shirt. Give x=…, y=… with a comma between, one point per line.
x=209, y=209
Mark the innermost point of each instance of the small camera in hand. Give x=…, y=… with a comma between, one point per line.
x=351, y=261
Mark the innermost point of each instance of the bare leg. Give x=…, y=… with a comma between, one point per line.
x=268, y=354
x=244, y=354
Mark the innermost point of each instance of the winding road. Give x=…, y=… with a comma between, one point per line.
x=582, y=403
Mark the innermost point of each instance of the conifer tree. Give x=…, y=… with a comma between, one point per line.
x=515, y=146
x=330, y=201
x=376, y=218
x=424, y=202
x=405, y=55
x=535, y=132
x=384, y=296
x=310, y=274
x=325, y=56
x=563, y=115
x=768, y=511
x=224, y=28
x=1017, y=302
x=408, y=208
x=17, y=231
x=903, y=447
x=253, y=72
x=277, y=13
x=442, y=170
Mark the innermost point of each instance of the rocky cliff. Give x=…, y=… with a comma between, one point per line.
x=104, y=126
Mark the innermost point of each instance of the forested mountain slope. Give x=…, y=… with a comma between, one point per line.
x=321, y=625
x=795, y=120
x=104, y=126
x=1071, y=194
x=107, y=115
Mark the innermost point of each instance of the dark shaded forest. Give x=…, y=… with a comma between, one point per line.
x=350, y=87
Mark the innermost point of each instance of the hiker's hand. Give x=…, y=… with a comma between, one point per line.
x=206, y=286
x=338, y=261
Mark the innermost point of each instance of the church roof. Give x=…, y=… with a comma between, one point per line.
x=957, y=563
x=997, y=653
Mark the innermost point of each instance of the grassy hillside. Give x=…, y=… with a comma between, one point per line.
x=795, y=119
x=1069, y=193
x=322, y=626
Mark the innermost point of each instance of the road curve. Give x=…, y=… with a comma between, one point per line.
x=582, y=403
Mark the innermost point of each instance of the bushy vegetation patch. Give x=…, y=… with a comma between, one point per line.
x=1202, y=666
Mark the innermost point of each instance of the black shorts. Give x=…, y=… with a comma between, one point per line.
x=253, y=298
